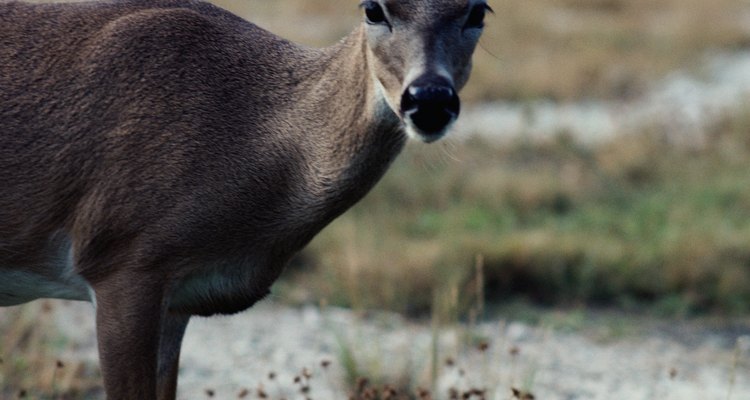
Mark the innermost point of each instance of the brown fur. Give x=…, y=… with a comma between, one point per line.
x=170, y=140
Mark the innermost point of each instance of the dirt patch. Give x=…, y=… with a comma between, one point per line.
x=577, y=357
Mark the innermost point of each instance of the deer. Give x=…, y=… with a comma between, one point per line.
x=163, y=159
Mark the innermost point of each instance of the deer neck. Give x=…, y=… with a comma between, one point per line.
x=355, y=135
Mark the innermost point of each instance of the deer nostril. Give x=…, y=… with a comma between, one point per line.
x=430, y=96
x=430, y=107
x=434, y=94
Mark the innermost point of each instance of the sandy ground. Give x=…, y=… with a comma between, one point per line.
x=683, y=105
x=578, y=359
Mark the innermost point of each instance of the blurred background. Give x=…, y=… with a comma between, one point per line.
x=602, y=159
x=600, y=167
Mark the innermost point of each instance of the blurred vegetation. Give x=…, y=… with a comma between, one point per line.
x=638, y=220
x=553, y=49
x=30, y=365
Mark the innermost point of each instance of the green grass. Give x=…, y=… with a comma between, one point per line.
x=637, y=221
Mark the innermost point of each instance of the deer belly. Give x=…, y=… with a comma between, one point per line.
x=53, y=278
x=222, y=288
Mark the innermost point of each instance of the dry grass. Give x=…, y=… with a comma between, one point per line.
x=638, y=220
x=30, y=363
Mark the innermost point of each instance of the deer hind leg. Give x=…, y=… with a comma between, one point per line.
x=129, y=319
x=170, y=342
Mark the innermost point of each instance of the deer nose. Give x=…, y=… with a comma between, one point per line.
x=430, y=105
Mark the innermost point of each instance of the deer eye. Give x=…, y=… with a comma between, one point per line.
x=476, y=16
x=374, y=13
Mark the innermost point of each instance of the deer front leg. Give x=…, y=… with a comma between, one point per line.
x=129, y=318
x=172, y=331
